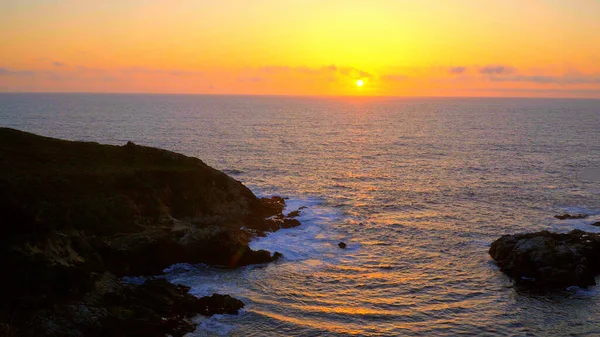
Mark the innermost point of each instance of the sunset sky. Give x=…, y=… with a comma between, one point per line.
x=303, y=47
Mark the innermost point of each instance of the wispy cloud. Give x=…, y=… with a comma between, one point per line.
x=354, y=73
x=142, y=70
x=549, y=91
x=541, y=79
x=496, y=70
x=329, y=69
x=288, y=69
x=64, y=73
x=8, y=72
x=457, y=70
x=185, y=73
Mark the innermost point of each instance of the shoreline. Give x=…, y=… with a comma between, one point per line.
x=83, y=215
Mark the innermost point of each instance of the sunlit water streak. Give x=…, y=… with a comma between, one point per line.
x=418, y=188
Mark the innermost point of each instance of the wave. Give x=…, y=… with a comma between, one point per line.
x=306, y=248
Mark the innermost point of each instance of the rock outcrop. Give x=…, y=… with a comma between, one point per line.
x=75, y=212
x=567, y=216
x=155, y=308
x=548, y=259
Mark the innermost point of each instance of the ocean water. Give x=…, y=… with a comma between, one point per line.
x=418, y=189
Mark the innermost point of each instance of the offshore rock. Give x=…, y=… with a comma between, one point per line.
x=549, y=259
x=74, y=214
x=567, y=216
x=294, y=214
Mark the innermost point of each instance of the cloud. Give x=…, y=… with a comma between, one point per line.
x=184, y=73
x=8, y=72
x=582, y=92
x=63, y=73
x=354, y=73
x=329, y=69
x=175, y=72
x=503, y=73
x=496, y=70
x=394, y=78
x=301, y=69
x=287, y=69
x=457, y=70
x=542, y=79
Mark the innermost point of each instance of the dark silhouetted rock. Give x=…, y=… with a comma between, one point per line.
x=277, y=256
x=278, y=222
x=294, y=214
x=75, y=214
x=342, y=245
x=274, y=204
x=155, y=308
x=571, y=216
x=290, y=223
x=597, y=223
x=549, y=259
x=219, y=304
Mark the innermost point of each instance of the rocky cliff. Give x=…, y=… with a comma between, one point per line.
x=78, y=215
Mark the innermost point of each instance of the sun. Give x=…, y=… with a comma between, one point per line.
x=360, y=83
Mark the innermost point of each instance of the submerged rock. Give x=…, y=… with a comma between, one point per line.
x=566, y=216
x=549, y=259
x=342, y=245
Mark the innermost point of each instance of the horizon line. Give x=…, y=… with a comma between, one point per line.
x=293, y=95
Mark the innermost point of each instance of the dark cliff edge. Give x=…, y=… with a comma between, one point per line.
x=77, y=216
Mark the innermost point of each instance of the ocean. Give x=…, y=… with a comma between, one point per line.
x=418, y=188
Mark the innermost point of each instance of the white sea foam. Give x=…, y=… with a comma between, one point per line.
x=308, y=246
x=205, y=281
x=567, y=225
x=314, y=239
x=212, y=326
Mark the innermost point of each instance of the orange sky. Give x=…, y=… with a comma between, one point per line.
x=303, y=47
